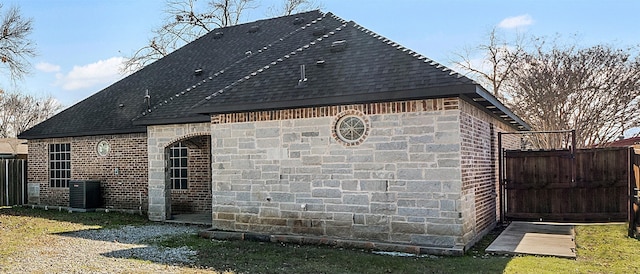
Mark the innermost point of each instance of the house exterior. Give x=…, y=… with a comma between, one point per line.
x=12, y=148
x=302, y=125
x=633, y=142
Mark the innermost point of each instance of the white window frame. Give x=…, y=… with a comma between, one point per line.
x=179, y=167
x=59, y=165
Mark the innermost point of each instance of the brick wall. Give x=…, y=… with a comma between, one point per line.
x=285, y=172
x=479, y=160
x=123, y=172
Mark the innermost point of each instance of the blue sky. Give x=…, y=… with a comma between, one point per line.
x=81, y=43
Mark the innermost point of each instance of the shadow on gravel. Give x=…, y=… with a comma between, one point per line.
x=163, y=255
x=136, y=242
x=133, y=234
x=110, y=219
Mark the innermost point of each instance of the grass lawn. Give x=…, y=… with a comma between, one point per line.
x=23, y=227
x=600, y=249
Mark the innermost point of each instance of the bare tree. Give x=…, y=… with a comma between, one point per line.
x=19, y=112
x=552, y=86
x=289, y=7
x=594, y=90
x=15, y=46
x=186, y=20
x=499, y=57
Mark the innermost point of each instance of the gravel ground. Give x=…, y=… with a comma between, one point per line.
x=121, y=250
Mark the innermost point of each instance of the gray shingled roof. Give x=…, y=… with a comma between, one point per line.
x=256, y=66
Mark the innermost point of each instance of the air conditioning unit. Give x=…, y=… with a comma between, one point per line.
x=84, y=195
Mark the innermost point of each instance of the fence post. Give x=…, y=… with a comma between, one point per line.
x=501, y=190
x=2, y=172
x=634, y=191
x=631, y=184
x=6, y=182
x=22, y=176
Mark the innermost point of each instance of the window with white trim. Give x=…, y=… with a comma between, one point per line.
x=59, y=165
x=178, y=158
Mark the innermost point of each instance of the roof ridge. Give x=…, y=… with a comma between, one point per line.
x=279, y=60
x=248, y=55
x=338, y=18
x=407, y=50
x=266, y=19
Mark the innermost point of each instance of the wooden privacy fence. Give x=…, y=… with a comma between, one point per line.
x=13, y=182
x=585, y=185
x=634, y=205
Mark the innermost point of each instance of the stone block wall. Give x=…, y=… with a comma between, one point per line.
x=123, y=172
x=286, y=172
x=161, y=196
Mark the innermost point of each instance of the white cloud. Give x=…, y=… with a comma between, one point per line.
x=516, y=21
x=47, y=67
x=101, y=72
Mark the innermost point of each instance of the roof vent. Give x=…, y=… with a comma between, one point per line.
x=147, y=99
x=338, y=46
x=319, y=31
x=218, y=35
x=298, y=21
x=248, y=53
x=303, y=77
x=253, y=29
x=198, y=72
x=320, y=62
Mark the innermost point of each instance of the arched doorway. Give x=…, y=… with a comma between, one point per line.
x=188, y=178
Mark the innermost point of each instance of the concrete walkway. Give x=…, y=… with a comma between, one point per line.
x=193, y=219
x=534, y=238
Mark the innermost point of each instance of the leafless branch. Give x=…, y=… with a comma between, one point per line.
x=15, y=46
x=498, y=54
x=185, y=21
x=594, y=90
x=19, y=112
x=288, y=7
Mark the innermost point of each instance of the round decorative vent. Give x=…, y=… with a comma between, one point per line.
x=103, y=148
x=350, y=127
